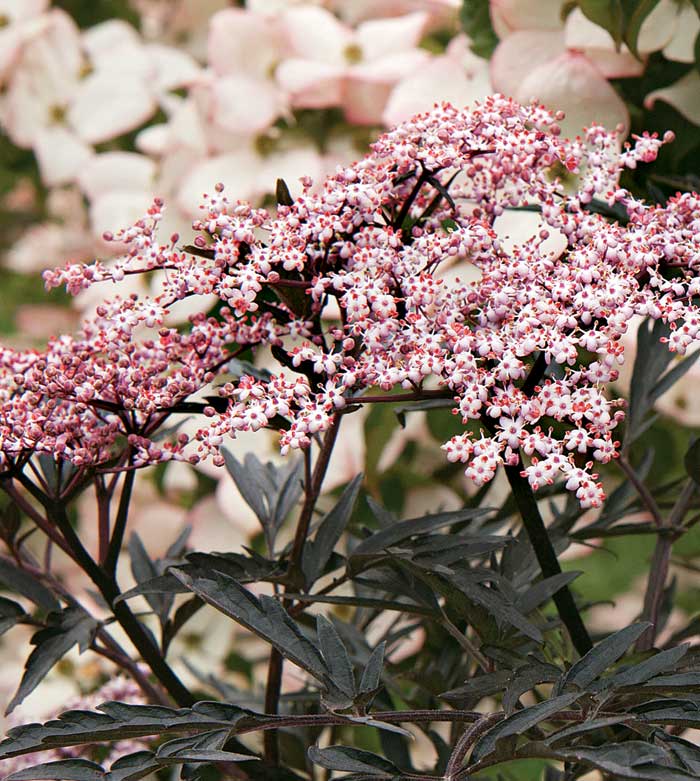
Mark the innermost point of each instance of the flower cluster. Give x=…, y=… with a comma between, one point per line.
x=395, y=274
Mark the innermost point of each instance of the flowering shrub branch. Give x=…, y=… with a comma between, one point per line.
x=390, y=284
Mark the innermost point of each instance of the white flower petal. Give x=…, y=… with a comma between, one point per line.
x=683, y=95
x=118, y=209
x=507, y=16
x=111, y=171
x=44, y=78
x=519, y=54
x=442, y=13
x=245, y=104
x=115, y=46
x=173, y=68
x=380, y=37
x=290, y=164
x=597, y=44
x=315, y=34
x=61, y=155
x=443, y=79
x=681, y=48
x=523, y=228
x=659, y=27
x=153, y=140
x=311, y=84
x=572, y=84
x=105, y=106
x=239, y=171
x=368, y=86
x=243, y=42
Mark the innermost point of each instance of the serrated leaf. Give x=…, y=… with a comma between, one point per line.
x=651, y=360
x=600, y=657
x=335, y=656
x=496, y=605
x=520, y=722
x=591, y=725
x=525, y=679
x=318, y=551
x=264, y=616
x=162, y=584
x=72, y=626
x=352, y=760
x=642, y=672
x=121, y=721
x=20, y=582
x=288, y=494
x=543, y=591
x=249, y=489
x=62, y=770
x=478, y=687
x=371, y=676
x=631, y=759
x=143, y=568
x=403, y=530
x=205, y=747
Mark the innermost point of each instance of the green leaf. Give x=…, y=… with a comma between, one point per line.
x=318, y=551
x=72, y=626
x=352, y=760
x=520, y=722
x=600, y=657
x=642, y=9
x=475, y=18
x=691, y=461
x=607, y=14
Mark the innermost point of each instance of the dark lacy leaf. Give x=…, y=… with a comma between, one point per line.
x=69, y=627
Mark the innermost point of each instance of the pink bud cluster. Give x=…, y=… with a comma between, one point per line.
x=362, y=286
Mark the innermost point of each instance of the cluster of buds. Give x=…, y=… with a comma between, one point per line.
x=393, y=274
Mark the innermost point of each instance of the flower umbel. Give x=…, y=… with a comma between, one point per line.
x=394, y=274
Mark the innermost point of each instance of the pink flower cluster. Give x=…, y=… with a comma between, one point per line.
x=394, y=275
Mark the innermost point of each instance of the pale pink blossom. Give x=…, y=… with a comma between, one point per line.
x=330, y=64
